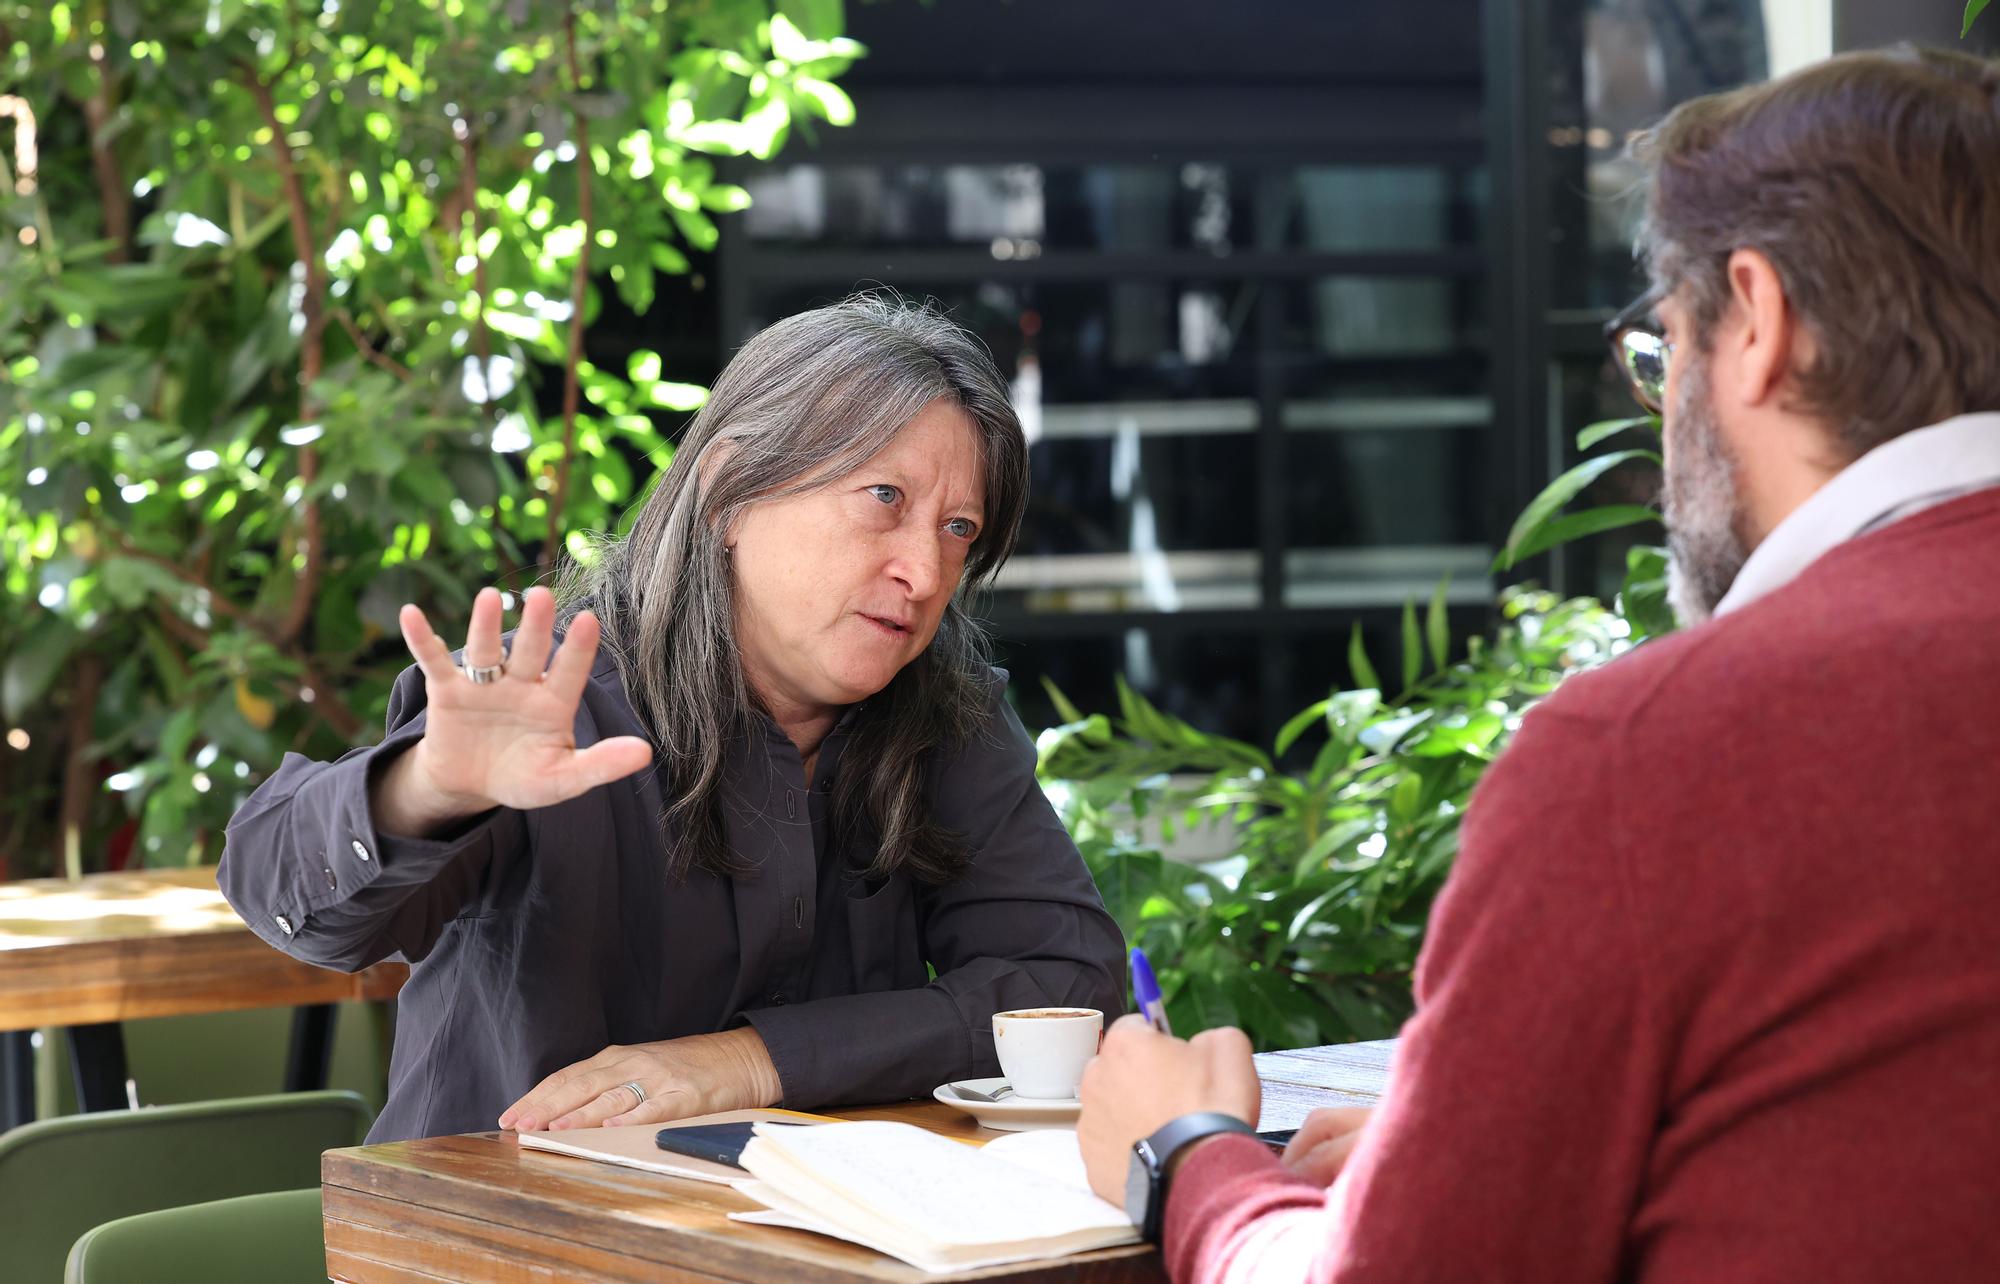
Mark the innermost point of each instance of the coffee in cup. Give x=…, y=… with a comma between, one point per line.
x=1043, y=1050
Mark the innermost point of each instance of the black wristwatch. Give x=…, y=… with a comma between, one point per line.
x=1146, y=1176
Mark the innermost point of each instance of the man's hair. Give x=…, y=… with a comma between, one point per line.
x=1871, y=181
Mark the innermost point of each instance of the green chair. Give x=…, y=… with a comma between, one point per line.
x=60, y=1177
x=252, y=1239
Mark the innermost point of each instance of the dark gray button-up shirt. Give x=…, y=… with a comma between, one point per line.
x=540, y=937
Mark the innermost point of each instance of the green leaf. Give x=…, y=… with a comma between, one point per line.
x=1296, y=727
x=725, y=198
x=816, y=19
x=1558, y=493
x=1642, y=599
x=1591, y=521
x=1065, y=710
x=1607, y=428
x=131, y=582
x=1437, y=627
x=1973, y=9
x=1357, y=661
x=127, y=289
x=678, y=396
x=34, y=664
x=1413, y=647
x=1347, y=713
x=1469, y=735
x=1406, y=799
x=829, y=99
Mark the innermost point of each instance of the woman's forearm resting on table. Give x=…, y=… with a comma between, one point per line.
x=697, y=1075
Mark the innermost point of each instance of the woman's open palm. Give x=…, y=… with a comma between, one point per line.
x=511, y=742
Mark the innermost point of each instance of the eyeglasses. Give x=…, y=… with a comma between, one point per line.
x=1640, y=347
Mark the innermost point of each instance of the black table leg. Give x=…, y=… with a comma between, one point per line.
x=311, y=1059
x=17, y=1078
x=97, y=1060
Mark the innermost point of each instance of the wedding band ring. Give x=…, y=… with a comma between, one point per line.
x=481, y=674
x=638, y=1092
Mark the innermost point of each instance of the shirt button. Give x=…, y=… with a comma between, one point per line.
x=331, y=883
x=284, y=925
x=359, y=851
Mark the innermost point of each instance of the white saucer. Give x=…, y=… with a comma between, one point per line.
x=1010, y=1114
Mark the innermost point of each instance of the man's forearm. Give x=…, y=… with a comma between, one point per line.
x=1234, y=1214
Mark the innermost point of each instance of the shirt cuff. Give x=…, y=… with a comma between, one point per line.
x=887, y=1045
x=1224, y=1185
x=347, y=854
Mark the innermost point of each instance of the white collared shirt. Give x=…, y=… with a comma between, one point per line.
x=1899, y=478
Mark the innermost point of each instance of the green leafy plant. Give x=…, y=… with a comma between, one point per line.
x=1307, y=931
x=1545, y=524
x=293, y=301
x=1973, y=8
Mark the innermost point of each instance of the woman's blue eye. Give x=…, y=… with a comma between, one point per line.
x=963, y=527
x=887, y=494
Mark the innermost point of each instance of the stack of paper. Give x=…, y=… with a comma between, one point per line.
x=930, y=1201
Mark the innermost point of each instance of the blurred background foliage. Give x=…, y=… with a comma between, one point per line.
x=1304, y=924
x=293, y=296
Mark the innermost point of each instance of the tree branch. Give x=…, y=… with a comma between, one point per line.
x=369, y=351
x=312, y=355
x=79, y=786
x=112, y=190
x=468, y=189
x=325, y=700
x=578, y=286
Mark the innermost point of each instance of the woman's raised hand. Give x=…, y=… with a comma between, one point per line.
x=506, y=743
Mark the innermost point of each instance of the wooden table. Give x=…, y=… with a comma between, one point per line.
x=480, y=1207
x=118, y=947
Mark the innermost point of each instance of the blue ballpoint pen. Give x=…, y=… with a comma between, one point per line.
x=1146, y=993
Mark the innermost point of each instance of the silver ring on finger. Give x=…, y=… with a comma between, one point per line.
x=637, y=1092
x=482, y=674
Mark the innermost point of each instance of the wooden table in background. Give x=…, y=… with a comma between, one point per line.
x=120, y=947
x=480, y=1207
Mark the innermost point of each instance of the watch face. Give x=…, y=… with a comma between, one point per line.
x=1139, y=1185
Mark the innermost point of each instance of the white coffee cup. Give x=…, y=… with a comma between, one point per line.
x=1043, y=1050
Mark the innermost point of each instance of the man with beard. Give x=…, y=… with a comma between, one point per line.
x=1713, y=993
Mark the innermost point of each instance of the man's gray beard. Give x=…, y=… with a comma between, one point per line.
x=1705, y=551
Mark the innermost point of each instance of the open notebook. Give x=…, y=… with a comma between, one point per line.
x=930, y=1201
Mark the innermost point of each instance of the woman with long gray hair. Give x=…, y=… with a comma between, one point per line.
x=776, y=841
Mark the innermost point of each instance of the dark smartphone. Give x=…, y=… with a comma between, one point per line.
x=717, y=1143
x=1278, y=1139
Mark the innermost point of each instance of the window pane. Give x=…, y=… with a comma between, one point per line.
x=1629, y=64
x=1366, y=318
x=1084, y=342
x=1012, y=211
x=1348, y=209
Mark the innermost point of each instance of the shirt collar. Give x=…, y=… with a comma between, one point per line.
x=1900, y=477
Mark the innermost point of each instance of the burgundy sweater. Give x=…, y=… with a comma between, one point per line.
x=1713, y=993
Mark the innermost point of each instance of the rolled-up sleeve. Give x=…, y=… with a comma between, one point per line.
x=305, y=866
x=1023, y=928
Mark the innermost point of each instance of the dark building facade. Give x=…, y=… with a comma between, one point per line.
x=1300, y=300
